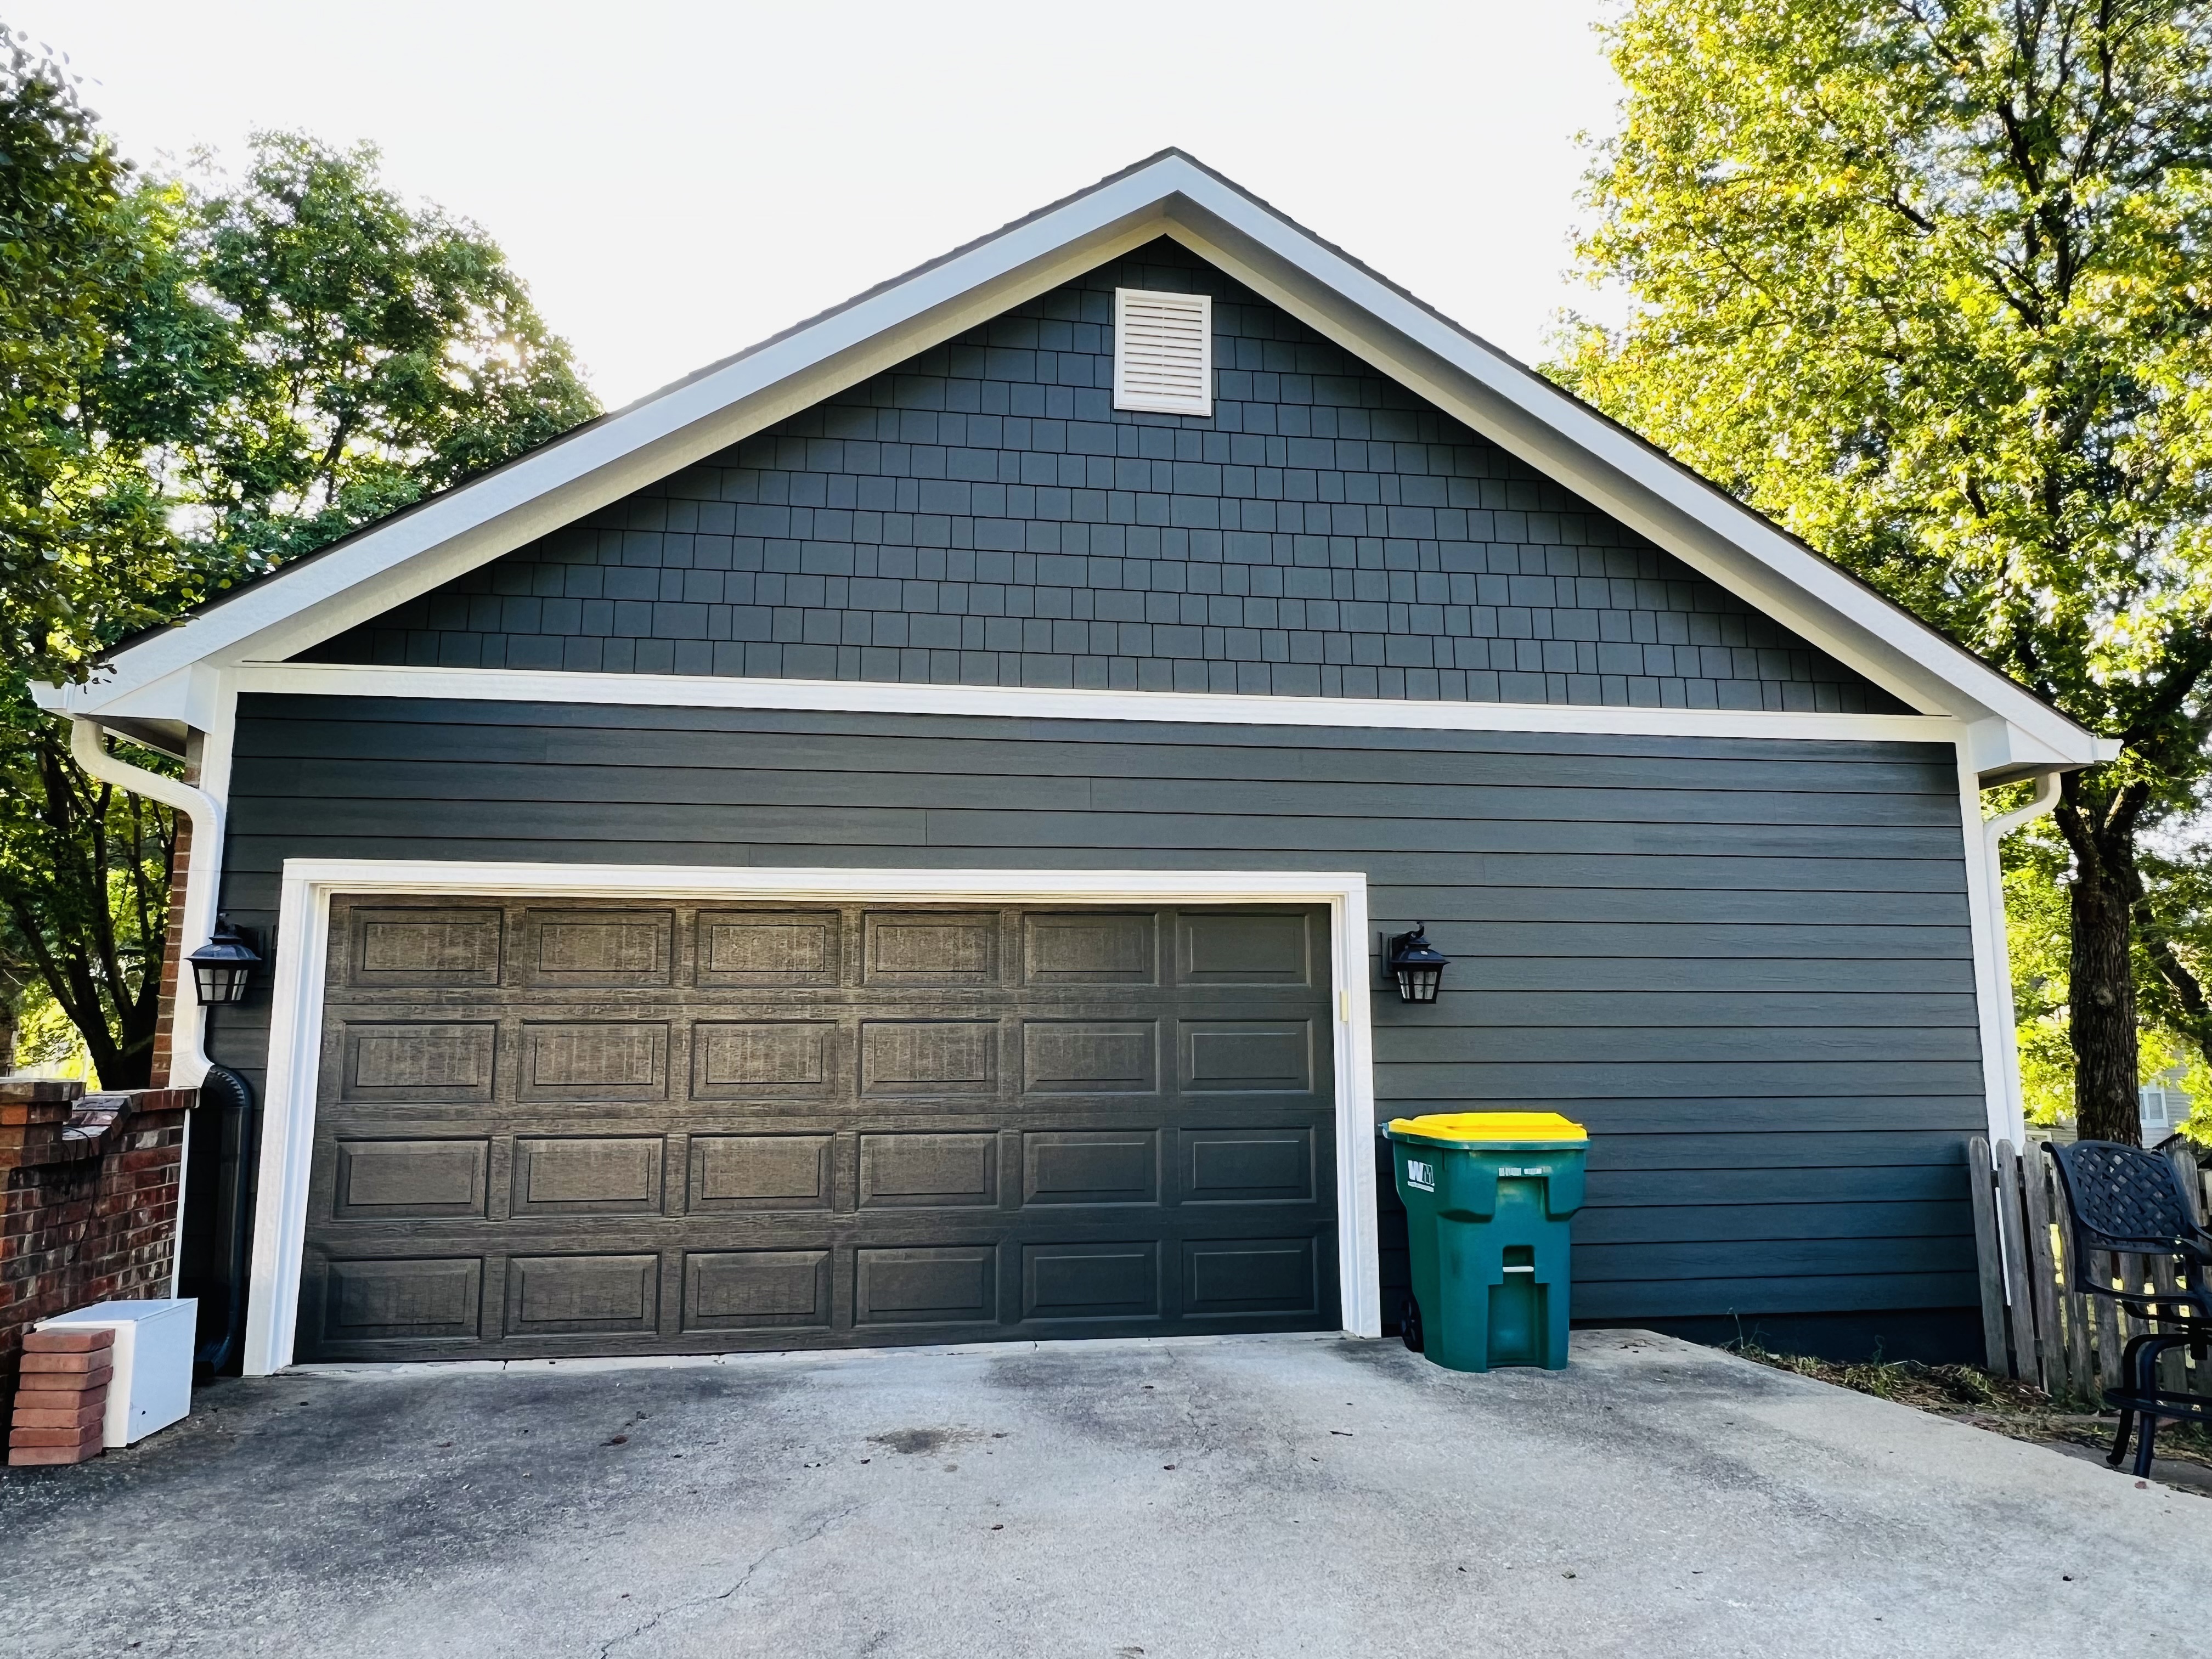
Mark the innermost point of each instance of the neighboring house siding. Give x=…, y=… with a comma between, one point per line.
x=981, y=515
x=1745, y=964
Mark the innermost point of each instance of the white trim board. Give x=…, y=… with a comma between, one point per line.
x=1171, y=194
x=1993, y=1004
x=302, y=948
x=1212, y=708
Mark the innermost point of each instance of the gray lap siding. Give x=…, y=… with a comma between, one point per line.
x=1745, y=964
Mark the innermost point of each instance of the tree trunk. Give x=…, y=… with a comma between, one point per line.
x=2100, y=832
x=2103, y=997
x=132, y=1066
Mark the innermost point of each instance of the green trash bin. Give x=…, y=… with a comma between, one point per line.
x=1487, y=1198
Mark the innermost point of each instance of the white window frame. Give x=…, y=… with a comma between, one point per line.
x=302, y=950
x=2169, y=1097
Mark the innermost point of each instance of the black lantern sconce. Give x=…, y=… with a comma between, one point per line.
x=1417, y=965
x=223, y=967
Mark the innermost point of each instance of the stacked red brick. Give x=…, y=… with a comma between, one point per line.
x=63, y=1397
x=88, y=1194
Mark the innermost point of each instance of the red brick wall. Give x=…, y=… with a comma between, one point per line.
x=180, y=870
x=88, y=1209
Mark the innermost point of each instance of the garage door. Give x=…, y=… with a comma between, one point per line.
x=569, y=1127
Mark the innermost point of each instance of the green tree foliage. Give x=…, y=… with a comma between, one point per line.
x=2178, y=923
x=1925, y=281
x=374, y=352
x=2173, y=947
x=203, y=378
x=84, y=548
x=2036, y=912
x=85, y=871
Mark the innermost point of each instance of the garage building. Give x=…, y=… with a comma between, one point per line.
x=893, y=839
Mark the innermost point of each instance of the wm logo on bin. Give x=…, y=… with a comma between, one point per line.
x=1420, y=1175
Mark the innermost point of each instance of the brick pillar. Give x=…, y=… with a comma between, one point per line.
x=89, y=1186
x=172, y=937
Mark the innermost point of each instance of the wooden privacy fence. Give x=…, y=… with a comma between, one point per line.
x=2035, y=1323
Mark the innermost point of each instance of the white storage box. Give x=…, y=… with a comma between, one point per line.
x=152, y=1387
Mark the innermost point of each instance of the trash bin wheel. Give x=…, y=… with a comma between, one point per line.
x=1409, y=1324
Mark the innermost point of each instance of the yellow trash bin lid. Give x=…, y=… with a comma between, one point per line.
x=1492, y=1128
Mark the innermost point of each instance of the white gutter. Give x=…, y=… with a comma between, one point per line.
x=1994, y=830
x=188, y=1058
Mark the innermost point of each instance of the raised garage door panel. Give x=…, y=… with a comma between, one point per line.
x=637, y=1126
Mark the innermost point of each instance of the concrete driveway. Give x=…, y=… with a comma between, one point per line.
x=1264, y=1496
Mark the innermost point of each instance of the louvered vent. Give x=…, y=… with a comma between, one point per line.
x=1164, y=352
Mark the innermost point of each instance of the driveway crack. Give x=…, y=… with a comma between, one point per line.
x=1200, y=1432
x=828, y=1520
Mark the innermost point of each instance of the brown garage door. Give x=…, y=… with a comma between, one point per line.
x=574, y=1127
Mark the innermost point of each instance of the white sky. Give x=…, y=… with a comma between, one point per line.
x=677, y=180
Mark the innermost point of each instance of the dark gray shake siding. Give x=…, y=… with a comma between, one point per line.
x=983, y=515
x=1744, y=964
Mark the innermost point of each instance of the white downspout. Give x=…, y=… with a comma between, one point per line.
x=1994, y=830
x=188, y=1058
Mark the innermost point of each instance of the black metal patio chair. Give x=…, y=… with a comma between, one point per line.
x=2125, y=1200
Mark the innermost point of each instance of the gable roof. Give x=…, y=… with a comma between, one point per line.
x=165, y=674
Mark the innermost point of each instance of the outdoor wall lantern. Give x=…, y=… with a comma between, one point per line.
x=223, y=967
x=1417, y=965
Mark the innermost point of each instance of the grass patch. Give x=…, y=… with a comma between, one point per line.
x=1974, y=1395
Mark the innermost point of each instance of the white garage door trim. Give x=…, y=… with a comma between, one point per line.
x=302, y=943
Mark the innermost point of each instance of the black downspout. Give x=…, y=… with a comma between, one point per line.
x=223, y=1088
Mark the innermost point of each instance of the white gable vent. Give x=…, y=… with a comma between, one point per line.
x=1164, y=351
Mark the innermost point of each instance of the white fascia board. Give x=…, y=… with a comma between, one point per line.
x=191, y=694
x=1021, y=702
x=2000, y=752
x=417, y=551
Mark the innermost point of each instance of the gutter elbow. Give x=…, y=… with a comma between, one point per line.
x=2045, y=798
